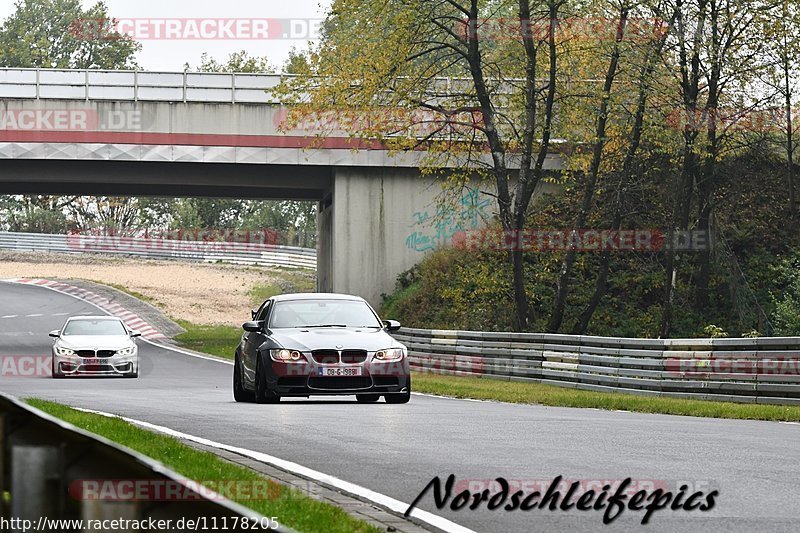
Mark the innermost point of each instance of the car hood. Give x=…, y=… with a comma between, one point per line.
x=95, y=342
x=370, y=339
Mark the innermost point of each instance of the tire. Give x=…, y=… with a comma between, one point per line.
x=132, y=375
x=53, y=371
x=263, y=394
x=367, y=398
x=402, y=397
x=240, y=394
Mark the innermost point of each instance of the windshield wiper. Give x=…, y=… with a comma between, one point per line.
x=324, y=326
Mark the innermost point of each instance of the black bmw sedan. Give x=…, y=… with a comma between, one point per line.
x=319, y=344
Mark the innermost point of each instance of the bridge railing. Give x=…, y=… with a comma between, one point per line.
x=50, y=470
x=244, y=253
x=220, y=87
x=749, y=370
x=136, y=85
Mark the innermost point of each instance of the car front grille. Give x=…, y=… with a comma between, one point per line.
x=334, y=357
x=340, y=383
x=98, y=353
x=326, y=357
x=352, y=357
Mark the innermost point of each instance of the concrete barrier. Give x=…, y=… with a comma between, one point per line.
x=747, y=370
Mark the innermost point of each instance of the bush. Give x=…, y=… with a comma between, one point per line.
x=786, y=296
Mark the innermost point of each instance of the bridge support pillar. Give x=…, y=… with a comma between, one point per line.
x=382, y=222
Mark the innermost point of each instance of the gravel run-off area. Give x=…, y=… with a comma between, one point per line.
x=197, y=292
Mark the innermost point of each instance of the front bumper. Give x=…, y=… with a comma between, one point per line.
x=304, y=379
x=116, y=365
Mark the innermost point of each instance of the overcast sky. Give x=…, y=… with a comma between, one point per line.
x=171, y=54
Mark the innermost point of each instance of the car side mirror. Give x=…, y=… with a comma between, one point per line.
x=253, y=326
x=135, y=333
x=391, y=325
x=253, y=313
x=55, y=333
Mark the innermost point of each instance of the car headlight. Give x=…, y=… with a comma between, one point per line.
x=60, y=350
x=283, y=356
x=390, y=354
x=130, y=350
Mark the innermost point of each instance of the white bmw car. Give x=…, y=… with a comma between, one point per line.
x=95, y=346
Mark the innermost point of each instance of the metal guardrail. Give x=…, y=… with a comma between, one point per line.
x=748, y=370
x=137, y=85
x=43, y=460
x=185, y=250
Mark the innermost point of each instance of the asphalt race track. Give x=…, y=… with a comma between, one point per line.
x=397, y=449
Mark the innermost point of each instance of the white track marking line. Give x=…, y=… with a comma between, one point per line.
x=362, y=492
x=10, y=316
x=185, y=352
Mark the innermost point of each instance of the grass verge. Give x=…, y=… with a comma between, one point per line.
x=219, y=340
x=536, y=393
x=292, y=507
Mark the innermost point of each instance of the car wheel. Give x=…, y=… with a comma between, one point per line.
x=368, y=398
x=133, y=374
x=263, y=394
x=240, y=394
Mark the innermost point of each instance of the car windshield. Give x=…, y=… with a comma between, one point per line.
x=94, y=327
x=322, y=313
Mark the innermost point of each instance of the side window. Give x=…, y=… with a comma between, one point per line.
x=264, y=311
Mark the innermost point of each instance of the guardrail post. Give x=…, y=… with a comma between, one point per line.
x=34, y=482
x=37, y=83
x=86, y=84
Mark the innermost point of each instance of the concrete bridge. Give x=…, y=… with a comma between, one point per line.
x=219, y=135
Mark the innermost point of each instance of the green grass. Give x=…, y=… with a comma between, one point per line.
x=292, y=507
x=135, y=294
x=219, y=340
x=262, y=291
x=296, y=279
x=289, y=281
x=536, y=393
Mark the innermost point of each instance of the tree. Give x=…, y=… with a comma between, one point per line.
x=237, y=62
x=61, y=34
x=598, y=149
x=715, y=46
x=296, y=63
x=495, y=122
x=782, y=38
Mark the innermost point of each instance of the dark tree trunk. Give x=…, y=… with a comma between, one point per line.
x=562, y=291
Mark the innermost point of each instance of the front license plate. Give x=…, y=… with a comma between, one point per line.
x=92, y=362
x=334, y=371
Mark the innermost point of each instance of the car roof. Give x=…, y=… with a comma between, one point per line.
x=99, y=317
x=316, y=296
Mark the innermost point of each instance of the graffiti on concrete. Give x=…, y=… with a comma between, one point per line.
x=433, y=229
